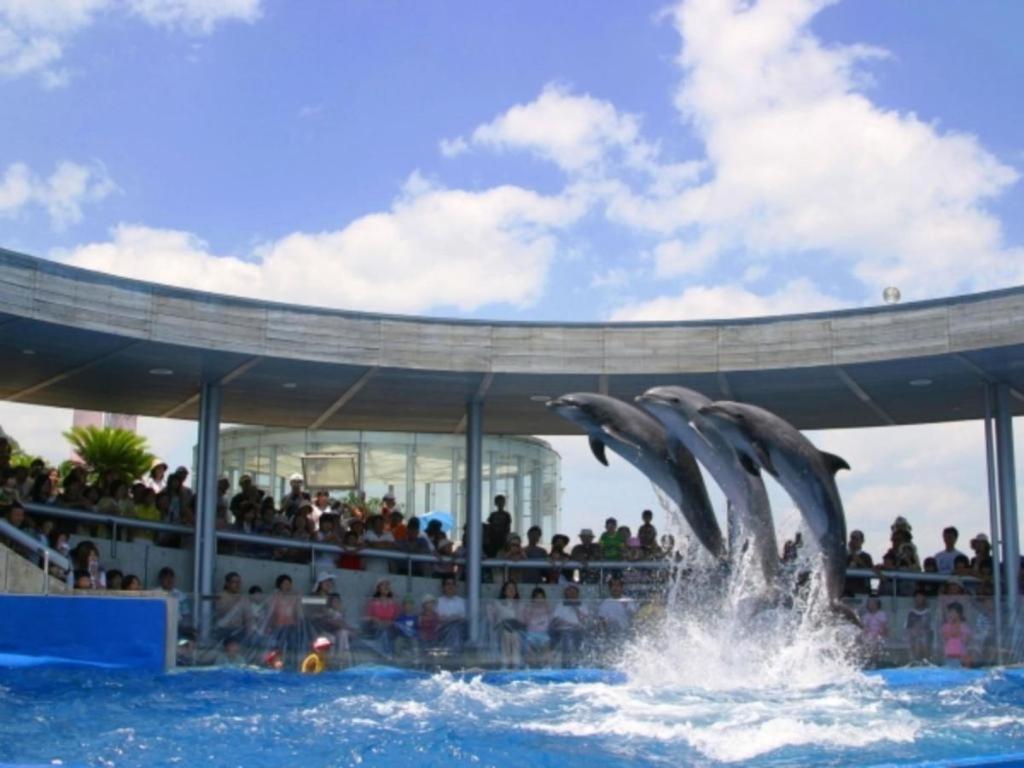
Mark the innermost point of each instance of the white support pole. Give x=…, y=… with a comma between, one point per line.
x=1008, y=505
x=993, y=517
x=206, y=507
x=474, y=514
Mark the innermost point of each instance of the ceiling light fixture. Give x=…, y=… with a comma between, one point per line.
x=28, y=351
x=920, y=382
x=161, y=372
x=289, y=385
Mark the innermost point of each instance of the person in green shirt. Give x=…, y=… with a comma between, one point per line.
x=612, y=542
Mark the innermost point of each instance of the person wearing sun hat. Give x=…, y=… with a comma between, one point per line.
x=157, y=478
x=316, y=662
x=981, y=563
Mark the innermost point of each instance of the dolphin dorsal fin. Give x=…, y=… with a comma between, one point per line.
x=833, y=463
x=597, y=448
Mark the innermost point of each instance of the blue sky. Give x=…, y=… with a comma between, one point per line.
x=529, y=160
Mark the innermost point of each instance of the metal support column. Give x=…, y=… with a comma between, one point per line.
x=410, y=481
x=517, y=497
x=206, y=508
x=474, y=514
x=993, y=518
x=1008, y=504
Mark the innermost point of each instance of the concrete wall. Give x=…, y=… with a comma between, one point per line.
x=21, y=576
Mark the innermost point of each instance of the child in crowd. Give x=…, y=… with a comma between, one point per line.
x=407, y=628
x=919, y=627
x=316, y=662
x=429, y=622
x=876, y=627
x=956, y=636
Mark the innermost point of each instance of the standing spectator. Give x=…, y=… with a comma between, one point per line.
x=513, y=550
x=295, y=497
x=981, y=563
x=647, y=533
x=247, y=492
x=613, y=543
x=585, y=551
x=537, y=617
x=558, y=555
x=534, y=551
x=946, y=558
x=377, y=538
x=956, y=637
x=919, y=627
x=321, y=506
x=876, y=627
x=856, y=557
x=229, y=610
x=285, y=615
x=499, y=526
x=381, y=612
x=157, y=478
x=388, y=504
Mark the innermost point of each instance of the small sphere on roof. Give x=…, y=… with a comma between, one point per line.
x=891, y=295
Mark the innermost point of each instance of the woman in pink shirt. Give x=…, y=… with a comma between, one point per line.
x=956, y=636
x=381, y=612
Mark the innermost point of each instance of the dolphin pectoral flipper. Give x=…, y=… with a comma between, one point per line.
x=834, y=463
x=748, y=464
x=616, y=435
x=597, y=448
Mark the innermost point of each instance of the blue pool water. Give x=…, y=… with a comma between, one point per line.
x=382, y=716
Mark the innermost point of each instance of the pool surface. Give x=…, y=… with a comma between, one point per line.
x=75, y=716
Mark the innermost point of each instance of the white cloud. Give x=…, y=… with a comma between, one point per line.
x=62, y=194
x=577, y=133
x=435, y=247
x=677, y=257
x=803, y=161
x=453, y=147
x=701, y=302
x=35, y=33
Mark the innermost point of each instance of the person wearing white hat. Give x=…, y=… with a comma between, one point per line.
x=981, y=563
x=157, y=478
x=295, y=496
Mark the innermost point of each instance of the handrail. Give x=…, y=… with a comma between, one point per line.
x=26, y=540
x=410, y=557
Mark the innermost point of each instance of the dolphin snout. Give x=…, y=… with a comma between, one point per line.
x=564, y=401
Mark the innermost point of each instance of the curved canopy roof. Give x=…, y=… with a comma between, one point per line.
x=76, y=338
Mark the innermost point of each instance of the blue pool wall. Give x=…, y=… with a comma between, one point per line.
x=121, y=632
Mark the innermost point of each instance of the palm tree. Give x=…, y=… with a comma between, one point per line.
x=109, y=451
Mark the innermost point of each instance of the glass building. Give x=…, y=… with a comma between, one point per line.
x=426, y=472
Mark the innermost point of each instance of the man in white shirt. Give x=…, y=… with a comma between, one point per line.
x=376, y=537
x=947, y=557
x=567, y=625
x=616, y=612
x=451, y=613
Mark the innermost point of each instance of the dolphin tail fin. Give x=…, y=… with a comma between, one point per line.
x=834, y=463
x=597, y=448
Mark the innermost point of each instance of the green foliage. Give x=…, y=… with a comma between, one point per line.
x=106, y=450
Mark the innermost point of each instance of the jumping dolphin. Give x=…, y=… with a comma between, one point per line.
x=641, y=440
x=764, y=440
x=677, y=408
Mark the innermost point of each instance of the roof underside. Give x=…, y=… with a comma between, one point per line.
x=297, y=367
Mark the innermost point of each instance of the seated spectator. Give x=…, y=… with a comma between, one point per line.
x=82, y=580
x=567, y=625
x=585, y=551
x=230, y=653
x=257, y=616
x=396, y=527
x=508, y=625
x=451, y=613
x=321, y=506
x=86, y=557
x=168, y=583
x=919, y=628
x=429, y=623
x=537, y=617
x=445, y=566
x=115, y=580
x=956, y=637
x=945, y=558
x=616, y=612
x=17, y=518
x=131, y=583
x=533, y=551
x=331, y=622
x=613, y=544
x=381, y=612
x=407, y=629
x=145, y=509
x=931, y=588
x=903, y=550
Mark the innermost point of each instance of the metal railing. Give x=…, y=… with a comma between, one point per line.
x=47, y=554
